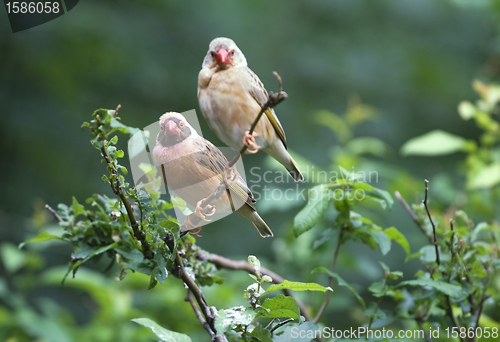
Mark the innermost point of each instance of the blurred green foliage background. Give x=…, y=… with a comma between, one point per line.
x=411, y=61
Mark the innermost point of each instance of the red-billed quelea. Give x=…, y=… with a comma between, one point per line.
x=194, y=167
x=231, y=96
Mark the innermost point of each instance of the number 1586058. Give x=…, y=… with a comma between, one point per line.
x=33, y=7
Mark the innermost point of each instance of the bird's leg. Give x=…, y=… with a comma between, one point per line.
x=196, y=233
x=192, y=228
x=198, y=211
x=249, y=140
x=195, y=228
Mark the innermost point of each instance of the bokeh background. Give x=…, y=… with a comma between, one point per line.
x=410, y=61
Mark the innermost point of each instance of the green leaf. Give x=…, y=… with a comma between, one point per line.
x=261, y=334
x=480, y=228
x=381, y=196
x=334, y=122
x=466, y=110
x=382, y=241
x=162, y=333
x=296, y=286
x=238, y=315
x=78, y=209
x=90, y=253
x=388, y=273
x=350, y=176
x=341, y=282
x=118, y=126
x=453, y=291
x=325, y=236
x=13, y=259
x=280, y=306
x=435, y=143
x=384, y=266
x=314, y=210
x=266, y=278
x=303, y=332
x=148, y=169
x=366, y=145
x=179, y=203
x=113, y=141
x=160, y=271
x=486, y=178
x=252, y=260
x=377, y=288
x=43, y=236
x=428, y=254
x=394, y=234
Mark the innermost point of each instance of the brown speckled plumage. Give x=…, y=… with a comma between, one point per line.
x=195, y=167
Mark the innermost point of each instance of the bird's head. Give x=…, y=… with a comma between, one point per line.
x=174, y=129
x=223, y=54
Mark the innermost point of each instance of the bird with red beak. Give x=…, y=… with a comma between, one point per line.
x=193, y=168
x=231, y=96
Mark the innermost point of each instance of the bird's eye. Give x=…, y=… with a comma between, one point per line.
x=181, y=124
x=213, y=54
x=232, y=53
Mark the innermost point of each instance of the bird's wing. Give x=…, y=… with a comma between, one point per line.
x=210, y=157
x=259, y=93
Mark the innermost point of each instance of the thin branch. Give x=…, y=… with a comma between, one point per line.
x=270, y=323
x=421, y=326
x=198, y=314
x=379, y=301
x=273, y=100
x=452, y=240
x=330, y=279
x=118, y=190
x=280, y=324
x=412, y=214
x=222, y=262
x=53, y=212
x=448, y=299
x=449, y=311
x=432, y=222
x=480, y=308
x=484, y=297
x=208, y=312
x=470, y=297
x=452, y=250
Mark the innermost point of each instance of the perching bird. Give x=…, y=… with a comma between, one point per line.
x=231, y=96
x=194, y=168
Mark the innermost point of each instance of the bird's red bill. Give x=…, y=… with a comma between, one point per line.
x=223, y=56
x=172, y=127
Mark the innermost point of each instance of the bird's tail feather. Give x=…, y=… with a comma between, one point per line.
x=279, y=152
x=294, y=171
x=261, y=226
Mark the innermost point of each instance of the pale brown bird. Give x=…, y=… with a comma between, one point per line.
x=194, y=168
x=231, y=96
